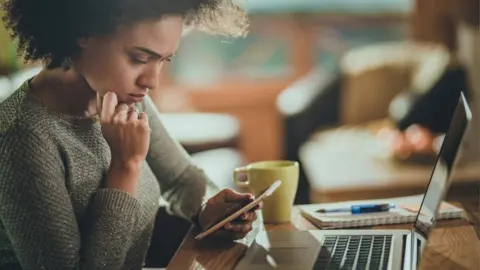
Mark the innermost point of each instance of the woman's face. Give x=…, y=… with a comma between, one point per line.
x=129, y=61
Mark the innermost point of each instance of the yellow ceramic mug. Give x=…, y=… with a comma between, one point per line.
x=260, y=175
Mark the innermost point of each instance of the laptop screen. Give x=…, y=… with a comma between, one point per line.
x=440, y=178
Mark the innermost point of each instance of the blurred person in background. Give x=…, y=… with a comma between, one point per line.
x=84, y=157
x=443, y=22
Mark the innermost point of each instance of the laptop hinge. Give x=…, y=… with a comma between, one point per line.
x=410, y=252
x=407, y=258
x=414, y=249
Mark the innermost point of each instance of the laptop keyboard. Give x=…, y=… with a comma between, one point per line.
x=354, y=252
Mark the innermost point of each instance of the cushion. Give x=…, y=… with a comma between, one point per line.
x=374, y=74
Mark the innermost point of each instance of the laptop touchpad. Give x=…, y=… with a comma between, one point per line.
x=280, y=256
x=281, y=250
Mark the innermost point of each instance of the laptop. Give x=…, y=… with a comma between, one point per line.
x=393, y=249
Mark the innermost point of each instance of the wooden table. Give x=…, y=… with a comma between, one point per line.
x=454, y=244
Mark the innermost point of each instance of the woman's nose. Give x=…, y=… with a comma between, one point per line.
x=149, y=79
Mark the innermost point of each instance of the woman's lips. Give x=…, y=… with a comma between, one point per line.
x=137, y=97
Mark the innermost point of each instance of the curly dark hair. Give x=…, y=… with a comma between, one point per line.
x=48, y=30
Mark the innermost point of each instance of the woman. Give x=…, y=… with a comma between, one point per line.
x=84, y=157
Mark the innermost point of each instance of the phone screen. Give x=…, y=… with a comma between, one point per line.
x=235, y=213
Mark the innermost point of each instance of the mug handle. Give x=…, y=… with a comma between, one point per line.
x=237, y=171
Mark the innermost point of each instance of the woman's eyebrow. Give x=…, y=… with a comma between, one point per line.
x=152, y=53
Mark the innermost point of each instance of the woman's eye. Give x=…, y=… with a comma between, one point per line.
x=138, y=60
x=168, y=59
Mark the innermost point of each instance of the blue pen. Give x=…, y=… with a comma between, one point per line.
x=361, y=208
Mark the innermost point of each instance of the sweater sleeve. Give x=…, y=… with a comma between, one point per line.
x=39, y=218
x=183, y=185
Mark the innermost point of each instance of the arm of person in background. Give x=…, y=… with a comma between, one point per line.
x=415, y=140
x=38, y=217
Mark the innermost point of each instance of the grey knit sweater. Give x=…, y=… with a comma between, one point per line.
x=55, y=212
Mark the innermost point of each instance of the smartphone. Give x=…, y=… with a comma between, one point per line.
x=269, y=191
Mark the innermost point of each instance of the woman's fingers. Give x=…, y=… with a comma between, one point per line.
x=142, y=116
x=239, y=227
x=121, y=112
x=109, y=104
x=143, y=119
x=133, y=114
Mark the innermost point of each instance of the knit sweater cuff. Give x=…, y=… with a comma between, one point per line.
x=116, y=202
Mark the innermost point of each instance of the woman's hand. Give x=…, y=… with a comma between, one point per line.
x=226, y=202
x=126, y=132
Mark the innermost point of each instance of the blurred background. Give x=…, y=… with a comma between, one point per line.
x=358, y=91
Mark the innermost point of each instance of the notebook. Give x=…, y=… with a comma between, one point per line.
x=405, y=211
